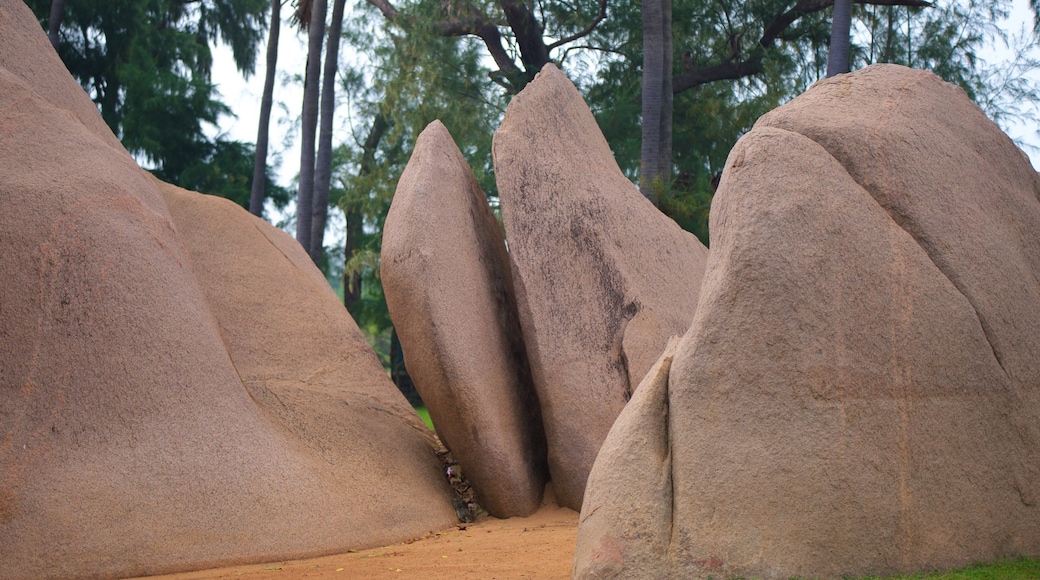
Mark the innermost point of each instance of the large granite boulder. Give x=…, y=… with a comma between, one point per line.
x=446, y=278
x=178, y=388
x=859, y=390
x=602, y=278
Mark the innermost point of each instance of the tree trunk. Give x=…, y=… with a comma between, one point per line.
x=841, y=29
x=890, y=34
x=664, y=165
x=323, y=169
x=54, y=24
x=352, y=281
x=656, y=152
x=399, y=374
x=528, y=33
x=311, y=88
x=257, y=194
x=352, y=286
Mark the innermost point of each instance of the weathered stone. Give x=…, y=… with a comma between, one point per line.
x=178, y=388
x=637, y=457
x=446, y=278
x=602, y=278
x=858, y=393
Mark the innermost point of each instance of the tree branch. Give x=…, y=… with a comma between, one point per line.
x=509, y=74
x=528, y=31
x=386, y=8
x=733, y=68
x=588, y=29
x=596, y=48
x=486, y=31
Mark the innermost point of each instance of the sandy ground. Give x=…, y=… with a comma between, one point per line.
x=539, y=546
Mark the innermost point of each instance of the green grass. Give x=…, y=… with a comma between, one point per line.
x=1020, y=569
x=425, y=416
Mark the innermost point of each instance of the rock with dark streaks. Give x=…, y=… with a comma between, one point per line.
x=859, y=391
x=602, y=277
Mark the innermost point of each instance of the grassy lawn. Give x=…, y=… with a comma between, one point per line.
x=1007, y=570
x=425, y=416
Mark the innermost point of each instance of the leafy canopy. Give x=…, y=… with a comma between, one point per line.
x=147, y=65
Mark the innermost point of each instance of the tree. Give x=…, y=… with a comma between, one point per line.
x=656, y=152
x=720, y=47
x=257, y=193
x=323, y=167
x=313, y=13
x=355, y=215
x=841, y=29
x=501, y=26
x=54, y=22
x=146, y=64
x=226, y=170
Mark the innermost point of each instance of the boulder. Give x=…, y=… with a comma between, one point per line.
x=179, y=388
x=858, y=393
x=44, y=71
x=445, y=274
x=602, y=278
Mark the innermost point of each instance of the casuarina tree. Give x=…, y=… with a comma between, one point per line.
x=147, y=66
x=323, y=163
x=841, y=29
x=313, y=14
x=257, y=193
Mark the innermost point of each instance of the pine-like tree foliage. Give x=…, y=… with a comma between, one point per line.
x=146, y=64
x=227, y=170
x=410, y=76
x=708, y=118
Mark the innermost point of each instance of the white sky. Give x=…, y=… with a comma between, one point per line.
x=243, y=96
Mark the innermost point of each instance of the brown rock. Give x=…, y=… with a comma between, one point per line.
x=853, y=397
x=637, y=457
x=44, y=71
x=602, y=278
x=155, y=414
x=445, y=273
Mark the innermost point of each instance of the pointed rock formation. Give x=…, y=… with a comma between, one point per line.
x=178, y=387
x=602, y=278
x=445, y=273
x=858, y=393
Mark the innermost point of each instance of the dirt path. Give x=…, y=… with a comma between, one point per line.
x=539, y=546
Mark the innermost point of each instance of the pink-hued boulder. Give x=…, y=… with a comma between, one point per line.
x=602, y=277
x=179, y=388
x=446, y=278
x=859, y=391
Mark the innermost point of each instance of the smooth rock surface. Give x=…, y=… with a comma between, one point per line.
x=602, y=278
x=854, y=396
x=445, y=275
x=178, y=389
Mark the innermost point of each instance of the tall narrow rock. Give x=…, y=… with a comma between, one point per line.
x=858, y=393
x=445, y=273
x=602, y=277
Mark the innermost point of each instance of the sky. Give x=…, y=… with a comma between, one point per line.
x=243, y=96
